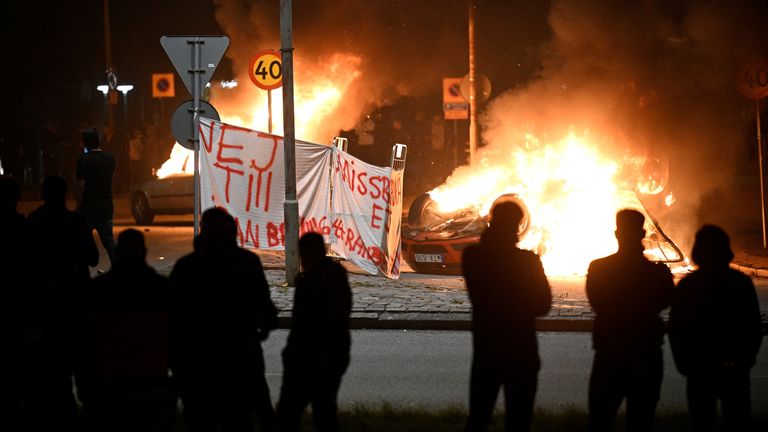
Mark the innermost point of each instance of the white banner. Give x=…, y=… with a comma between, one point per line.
x=367, y=202
x=243, y=171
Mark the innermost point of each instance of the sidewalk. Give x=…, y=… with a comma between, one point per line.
x=750, y=256
x=432, y=302
x=428, y=302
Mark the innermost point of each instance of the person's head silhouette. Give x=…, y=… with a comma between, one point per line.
x=54, y=191
x=311, y=249
x=130, y=247
x=218, y=229
x=10, y=194
x=712, y=248
x=91, y=138
x=505, y=219
x=629, y=229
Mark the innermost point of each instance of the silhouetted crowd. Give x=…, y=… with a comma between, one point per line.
x=714, y=328
x=134, y=343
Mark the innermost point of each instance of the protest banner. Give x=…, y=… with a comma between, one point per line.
x=356, y=206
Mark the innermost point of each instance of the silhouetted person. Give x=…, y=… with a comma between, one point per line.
x=14, y=258
x=715, y=334
x=222, y=313
x=122, y=377
x=95, y=169
x=64, y=248
x=508, y=290
x=317, y=353
x=627, y=293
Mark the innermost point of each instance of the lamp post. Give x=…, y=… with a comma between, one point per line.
x=110, y=66
x=124, y=89
x=104, y=89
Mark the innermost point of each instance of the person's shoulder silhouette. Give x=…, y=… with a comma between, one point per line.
x=715, y=333
x=125, y=353
x=317, y=353
x=60, y=231
x=508, y=290
x=221, y=312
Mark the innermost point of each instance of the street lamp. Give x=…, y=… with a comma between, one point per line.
x=104, y=89
x=124, y=89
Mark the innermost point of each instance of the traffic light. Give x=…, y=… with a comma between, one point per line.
x=162, y=85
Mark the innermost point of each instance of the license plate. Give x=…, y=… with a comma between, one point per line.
x=428, y=258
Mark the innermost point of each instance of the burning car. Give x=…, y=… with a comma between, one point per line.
x=570, y=193
x=433, y=241
x=168, y=195
x=170, y=192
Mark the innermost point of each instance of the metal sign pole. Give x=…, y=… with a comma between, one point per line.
x=760, y=157
x=196, y=70
x=269, y=108
x=291, y=206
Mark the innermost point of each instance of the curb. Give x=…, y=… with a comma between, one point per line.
x=751, y=271
x=442, y=322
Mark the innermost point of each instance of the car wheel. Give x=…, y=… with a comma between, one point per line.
x=421, y=211
x=141, y=210
x=525, y=223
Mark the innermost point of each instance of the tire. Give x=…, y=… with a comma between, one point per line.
x=525, y=223
x=418, y=211
x=142, y=212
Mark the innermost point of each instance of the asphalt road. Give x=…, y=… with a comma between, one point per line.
x=431, y=369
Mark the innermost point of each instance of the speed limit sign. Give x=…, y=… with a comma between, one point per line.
x=753, y=79
x=266, y=70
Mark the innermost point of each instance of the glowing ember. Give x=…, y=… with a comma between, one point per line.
x=669, y=200
x=317, y=96
x=570, y=190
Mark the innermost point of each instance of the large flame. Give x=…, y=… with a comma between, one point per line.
x=571, y=189
x=318, y=94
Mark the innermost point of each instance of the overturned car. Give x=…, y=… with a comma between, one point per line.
x=433, y=241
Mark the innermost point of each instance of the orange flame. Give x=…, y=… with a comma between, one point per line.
x=318, y=94
x=571, y=190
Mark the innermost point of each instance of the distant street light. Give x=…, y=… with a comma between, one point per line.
x=103, y=88
x=125, y=88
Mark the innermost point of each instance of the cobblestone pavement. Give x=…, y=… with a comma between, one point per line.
x=424, y=301
x=384, y=303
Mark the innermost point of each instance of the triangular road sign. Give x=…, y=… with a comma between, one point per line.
x=180, y=50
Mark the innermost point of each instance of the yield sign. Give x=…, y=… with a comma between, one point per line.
x=180, y=50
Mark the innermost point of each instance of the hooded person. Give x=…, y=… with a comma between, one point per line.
x=715, y=334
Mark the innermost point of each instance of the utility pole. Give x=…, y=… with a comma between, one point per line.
x=108, y=47
x=472, y=87
x=291, y=206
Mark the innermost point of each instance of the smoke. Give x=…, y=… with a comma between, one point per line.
x=650, y=78
x=653, y=78
x=403, y=47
